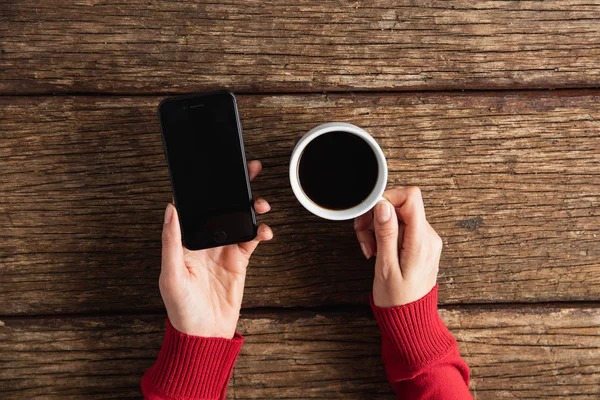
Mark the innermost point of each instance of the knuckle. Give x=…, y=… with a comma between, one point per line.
x=162, y=282
x=386, y=234
x=395, y=189
x=436, y=246
x=414, y=192
x=437, y=242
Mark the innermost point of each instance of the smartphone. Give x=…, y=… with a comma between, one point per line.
x=202, y=139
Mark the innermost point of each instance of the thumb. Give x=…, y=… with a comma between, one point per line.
x=172, y=248
x=386, y=235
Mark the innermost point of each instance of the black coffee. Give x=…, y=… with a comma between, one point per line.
x=338, y=170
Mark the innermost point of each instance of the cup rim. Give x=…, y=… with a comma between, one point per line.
x=349, y=213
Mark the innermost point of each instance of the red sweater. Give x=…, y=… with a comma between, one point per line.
x=420, y=355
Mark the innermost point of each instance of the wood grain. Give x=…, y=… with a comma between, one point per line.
x=511, y=182
x=149, y=46
x=534, y=353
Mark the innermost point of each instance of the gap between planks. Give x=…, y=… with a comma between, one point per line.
x=582, y=90
x=252, y=312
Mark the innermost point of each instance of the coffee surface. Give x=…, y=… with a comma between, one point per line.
x=338, y=170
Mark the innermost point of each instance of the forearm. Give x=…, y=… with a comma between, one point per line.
x=191, y=367
x=420, y=355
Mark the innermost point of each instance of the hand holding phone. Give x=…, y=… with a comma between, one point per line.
x=202, y=290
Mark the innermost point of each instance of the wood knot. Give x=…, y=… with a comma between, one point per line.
x=471, y=224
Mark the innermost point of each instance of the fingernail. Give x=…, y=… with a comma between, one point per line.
x=355, y=223
x=264, y=203
x=168, y=213
x=382, y=212
x=365, y=251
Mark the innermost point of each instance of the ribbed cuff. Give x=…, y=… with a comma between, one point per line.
x=192, y=367
x=413, y=335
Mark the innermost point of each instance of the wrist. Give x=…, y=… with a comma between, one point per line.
x=390, y=294
x=198, y=325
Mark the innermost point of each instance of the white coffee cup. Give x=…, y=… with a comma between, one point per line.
x=349, y=213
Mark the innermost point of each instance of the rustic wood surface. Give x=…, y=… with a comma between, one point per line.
x=510, y=180
x=534, y=353
x=149, y=46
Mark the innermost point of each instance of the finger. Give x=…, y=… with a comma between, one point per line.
x=365, y=234
x=364, y=221
x=401, y=228
x=261, y=206
x=254, y=168
x=409, y=202
x=264, y=233
x=366, y=239
x=386, y=235
x=172, y=248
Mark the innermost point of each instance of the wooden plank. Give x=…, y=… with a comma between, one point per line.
x=143, y=46
x=536, y=353
x=510, y=181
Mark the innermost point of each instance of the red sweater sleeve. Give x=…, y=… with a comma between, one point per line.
x=420, y=354
x=191, y=367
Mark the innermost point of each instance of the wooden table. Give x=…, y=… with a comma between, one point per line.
x=456, y=92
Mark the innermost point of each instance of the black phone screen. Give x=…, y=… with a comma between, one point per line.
x=204, y=149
